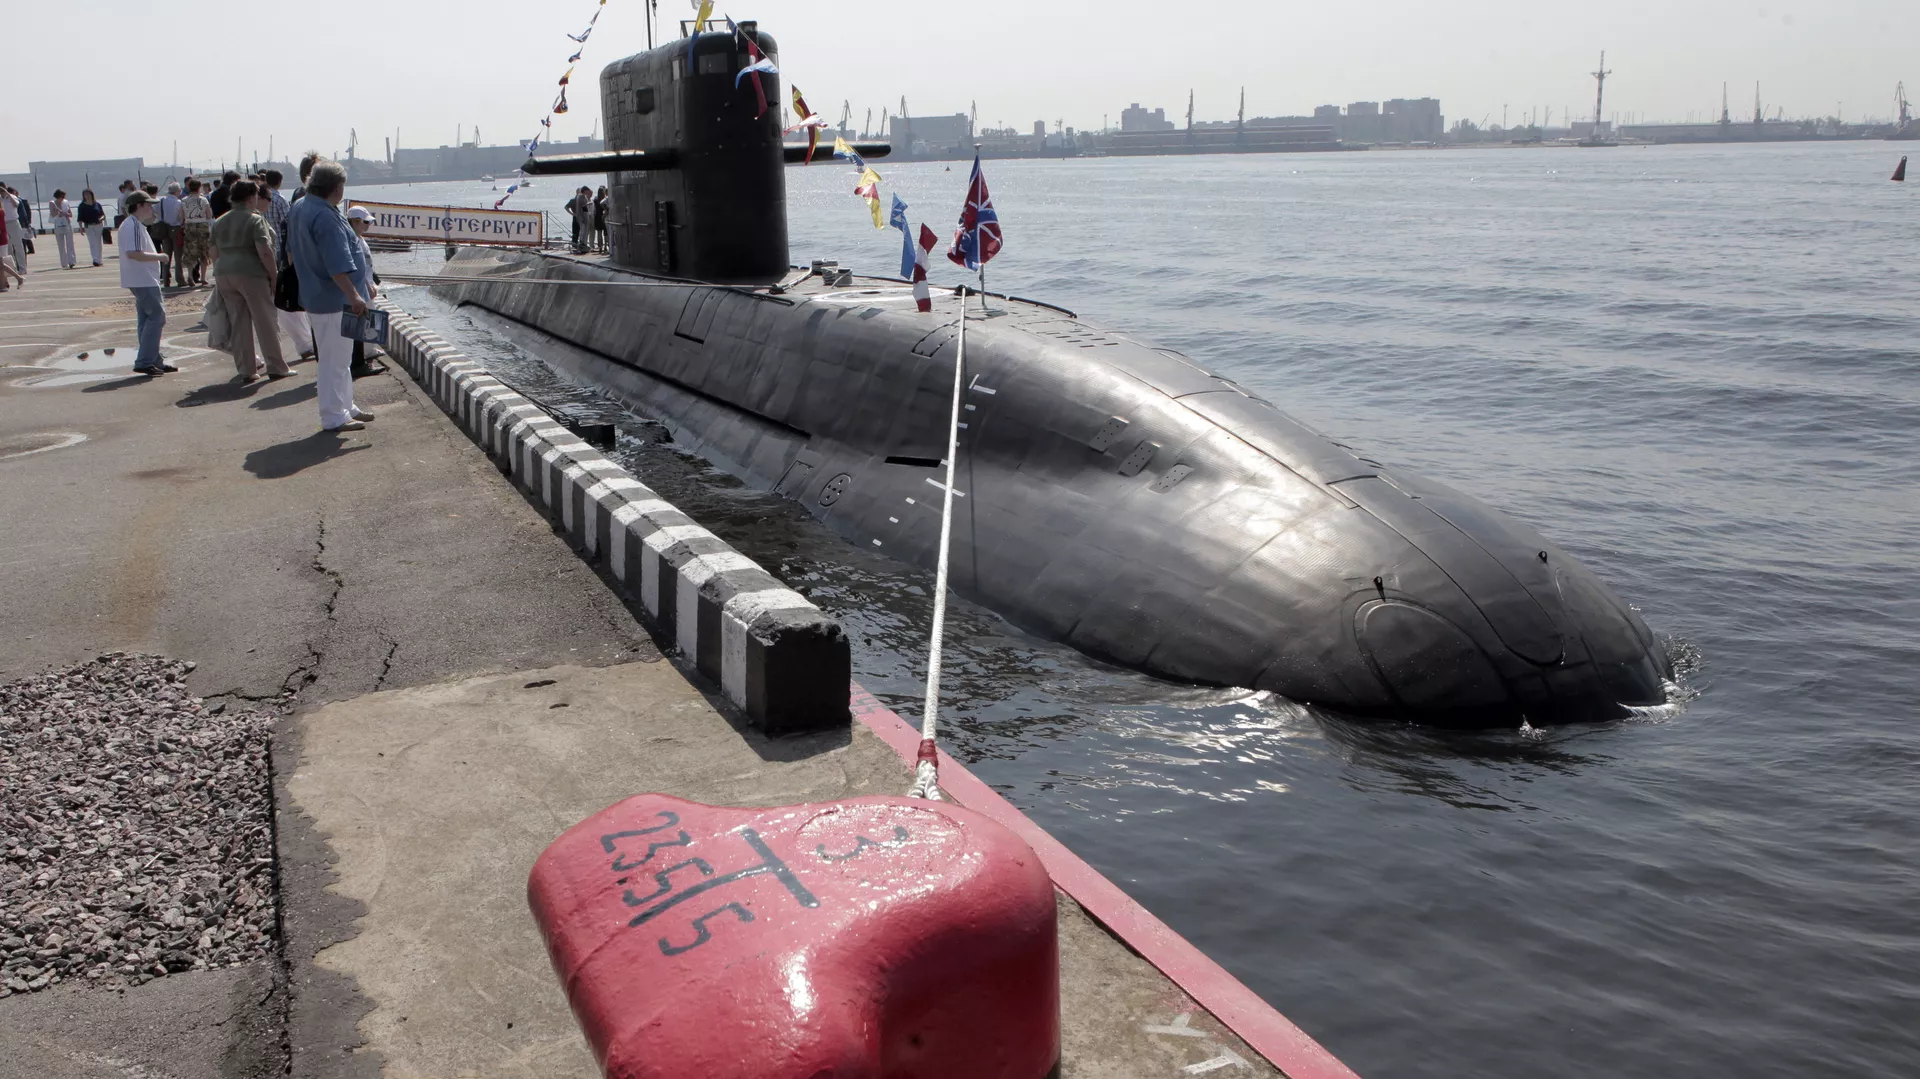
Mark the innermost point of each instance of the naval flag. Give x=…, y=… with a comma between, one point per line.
x=978, y=238
x=898, y=219
x=922, y=297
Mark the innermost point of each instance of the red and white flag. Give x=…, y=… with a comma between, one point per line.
x=922, y=298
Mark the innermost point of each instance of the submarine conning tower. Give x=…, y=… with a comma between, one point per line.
x=696, y=179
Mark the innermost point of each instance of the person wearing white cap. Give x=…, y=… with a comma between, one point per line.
x=361, y=221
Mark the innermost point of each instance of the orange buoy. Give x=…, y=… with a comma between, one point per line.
x=871, y=937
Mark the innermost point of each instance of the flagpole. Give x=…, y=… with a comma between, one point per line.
x=979, y=250
x=926, y=780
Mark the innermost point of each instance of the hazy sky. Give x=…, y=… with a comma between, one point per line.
x=304, y=75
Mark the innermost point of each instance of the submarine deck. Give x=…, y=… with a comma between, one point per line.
x=460, y=688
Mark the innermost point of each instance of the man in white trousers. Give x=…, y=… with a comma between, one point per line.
x=327, y=260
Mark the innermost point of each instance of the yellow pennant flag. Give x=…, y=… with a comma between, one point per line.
x=869, y=189
x=700, y=20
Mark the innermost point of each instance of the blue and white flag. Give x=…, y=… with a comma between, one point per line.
x=765, y=63
x=898, y=219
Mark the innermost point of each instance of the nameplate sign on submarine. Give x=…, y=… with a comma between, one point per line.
x=456, y=224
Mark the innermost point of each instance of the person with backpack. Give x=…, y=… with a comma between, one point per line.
x=293, y=321
x=196, y=215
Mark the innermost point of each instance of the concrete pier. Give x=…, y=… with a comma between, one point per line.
x=456, y=684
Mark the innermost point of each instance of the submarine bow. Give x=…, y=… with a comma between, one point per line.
x=1111, y=495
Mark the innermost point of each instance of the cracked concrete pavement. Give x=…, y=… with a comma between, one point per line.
x=375, y=589
x=214, y=522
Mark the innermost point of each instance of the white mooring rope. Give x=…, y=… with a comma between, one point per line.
x=926, y=773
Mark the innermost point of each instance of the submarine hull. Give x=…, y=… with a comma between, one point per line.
x=1112, y=496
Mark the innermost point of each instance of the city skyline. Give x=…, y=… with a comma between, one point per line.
x=1487, y=61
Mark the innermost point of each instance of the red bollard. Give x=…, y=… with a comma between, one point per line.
x=869, y=938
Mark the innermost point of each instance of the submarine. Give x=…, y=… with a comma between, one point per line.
x=1110, y=495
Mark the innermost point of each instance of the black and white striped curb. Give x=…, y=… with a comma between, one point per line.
x=772, y=652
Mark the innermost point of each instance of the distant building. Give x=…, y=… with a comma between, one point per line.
x=1226, y=137
x=74, y=176
x=1135, y=118
x=1583, y=129
x=1399, y=120
x=470, y=162
x=1412, y=120
x=925, y=135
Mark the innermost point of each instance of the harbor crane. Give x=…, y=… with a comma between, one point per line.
x=1599, y=91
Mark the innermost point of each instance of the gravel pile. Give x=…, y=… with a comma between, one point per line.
x=134, y=834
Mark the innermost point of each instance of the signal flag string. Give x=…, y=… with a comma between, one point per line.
x=559, y=106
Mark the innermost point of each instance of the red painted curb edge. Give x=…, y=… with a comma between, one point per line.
x=1285, y=1046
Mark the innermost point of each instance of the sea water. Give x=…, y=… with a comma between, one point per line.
x=1698, y=370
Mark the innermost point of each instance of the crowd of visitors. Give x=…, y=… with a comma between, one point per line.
x=277, y=266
